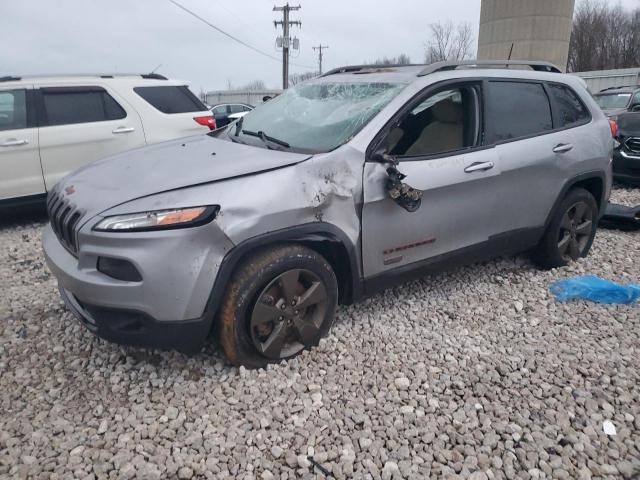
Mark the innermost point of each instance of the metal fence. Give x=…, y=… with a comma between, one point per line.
x=252, y=97
x=600, y=79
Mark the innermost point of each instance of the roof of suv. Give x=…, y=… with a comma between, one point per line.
x=12, y=78
x=136, y=79
x=409, y=73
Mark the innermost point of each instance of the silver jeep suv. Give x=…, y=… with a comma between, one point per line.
x=340, y=187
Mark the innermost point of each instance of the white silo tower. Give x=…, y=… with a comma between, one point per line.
x=526, y=30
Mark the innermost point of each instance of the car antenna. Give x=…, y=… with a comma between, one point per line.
x=154, y=70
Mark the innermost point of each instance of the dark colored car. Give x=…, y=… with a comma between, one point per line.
x=225, y=113
x=616, y=100
x=626, y=157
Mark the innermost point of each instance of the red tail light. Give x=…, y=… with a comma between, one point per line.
x=208, y=121
x=614, y=128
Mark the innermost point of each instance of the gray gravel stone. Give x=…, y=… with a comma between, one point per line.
x=476, y=373
x=403, y=383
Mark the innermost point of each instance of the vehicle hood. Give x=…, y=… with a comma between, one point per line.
x=163, y=167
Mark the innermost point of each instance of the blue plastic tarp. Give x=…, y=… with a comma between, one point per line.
x=595, y=289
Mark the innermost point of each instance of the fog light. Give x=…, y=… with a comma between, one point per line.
x=119, y=269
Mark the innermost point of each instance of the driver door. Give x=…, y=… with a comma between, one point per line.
x=20, y=170
x=437, y=141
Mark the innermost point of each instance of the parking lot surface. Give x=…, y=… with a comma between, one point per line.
x=477, y=373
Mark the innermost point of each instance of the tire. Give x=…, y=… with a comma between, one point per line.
x=263, y=320
x=571, y=231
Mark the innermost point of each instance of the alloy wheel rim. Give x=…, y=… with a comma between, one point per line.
x=288, y=314
x=575, y=231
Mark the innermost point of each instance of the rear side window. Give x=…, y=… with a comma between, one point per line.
x=571, y=111
x=237, y=108
x=171, y=99
x=220, y=110
x=67, y=106
x=516, y=110
x=13, y=109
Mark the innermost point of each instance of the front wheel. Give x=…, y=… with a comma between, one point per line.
x=571, y=231
x=279, y=302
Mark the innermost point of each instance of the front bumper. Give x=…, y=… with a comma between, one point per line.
x=168, y=308
x=137, y=329
x=626, y=166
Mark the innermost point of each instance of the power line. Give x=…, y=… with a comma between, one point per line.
x=235, y=39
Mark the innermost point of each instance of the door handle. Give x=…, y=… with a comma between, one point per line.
x=13, y=143
x=563, y=148
x=123, y=130
x=479, y=167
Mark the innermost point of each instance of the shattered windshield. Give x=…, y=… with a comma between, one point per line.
x=610, y=101
x=316, y=117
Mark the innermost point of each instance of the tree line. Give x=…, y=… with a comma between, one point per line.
x=604, y=36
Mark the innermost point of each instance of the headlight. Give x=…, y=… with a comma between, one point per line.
x=158, y=220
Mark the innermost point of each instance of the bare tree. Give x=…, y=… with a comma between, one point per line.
x=255, y=85
x=402, y=59
x=449, y=42
x=296, y=78
x=604, y=36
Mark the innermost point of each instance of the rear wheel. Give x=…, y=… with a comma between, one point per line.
x=279, y=302
x=571, y=231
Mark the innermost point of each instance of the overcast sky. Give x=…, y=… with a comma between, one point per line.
x=67, y=36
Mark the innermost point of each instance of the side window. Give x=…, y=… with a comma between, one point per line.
x=636, y=99
x=570, y=109
x=239, y=108
x=220, y=110
x=67, y=106
x=171, y=99
x=444, y=122
x=515, y=110
x=13, y=109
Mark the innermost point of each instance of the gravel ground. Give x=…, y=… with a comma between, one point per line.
x=477, y=373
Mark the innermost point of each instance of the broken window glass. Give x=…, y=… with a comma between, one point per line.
x=320, y=116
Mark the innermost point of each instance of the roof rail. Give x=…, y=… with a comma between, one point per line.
x=445, y=66
x=150, y=76
x=359, y=68
x=154, y=76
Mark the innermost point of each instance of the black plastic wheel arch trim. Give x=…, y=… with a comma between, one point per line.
x=317, y=231
x=572, y=182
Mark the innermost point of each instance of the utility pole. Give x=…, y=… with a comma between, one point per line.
x=286, y=39
x=320, y=48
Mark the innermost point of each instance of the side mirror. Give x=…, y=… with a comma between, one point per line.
x=404, y=195
x=381, y=156
x=635, y=108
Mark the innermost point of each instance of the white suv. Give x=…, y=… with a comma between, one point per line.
x=50, y=126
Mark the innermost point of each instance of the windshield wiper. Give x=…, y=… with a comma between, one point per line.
x=266, y=138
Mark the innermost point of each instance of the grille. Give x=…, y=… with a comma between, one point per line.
x=633, y=144
x=64, y=218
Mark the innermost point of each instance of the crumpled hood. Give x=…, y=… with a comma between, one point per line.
x=165, y=166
